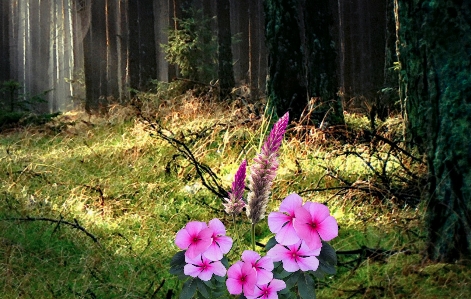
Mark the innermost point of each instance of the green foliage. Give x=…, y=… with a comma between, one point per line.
x=193, y=47
x=17, y=108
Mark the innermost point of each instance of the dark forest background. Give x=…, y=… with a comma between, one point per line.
x=96, y=52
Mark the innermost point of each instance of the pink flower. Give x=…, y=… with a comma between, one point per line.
x=235, y=203
x=295, y=257
x=313, y=223
x=221, y=244
x=281, y=223
x=203, y=268
x=262, y=265
x=241, y=278
x=195, y=237
x=268, y=291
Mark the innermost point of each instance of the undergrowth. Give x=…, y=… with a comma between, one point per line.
x=89, y=206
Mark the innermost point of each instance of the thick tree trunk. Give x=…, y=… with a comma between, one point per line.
x=434, y=51
x=95, y=62
x=142, y=57
x=302, y=59
x=4, y=41
x=254, y=37
x=225, y=70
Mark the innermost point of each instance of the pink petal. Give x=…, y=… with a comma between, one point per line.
x=318, y=212
x=197, y=248
x=250, y=278
x=277, y=285
x=277, y=220
x=183, y=239
x=308, y=263
x=225, y=243
x=235, y=270
x=233, y=286
x=264, y=276
x=291, y=203
x=194, y=227
x=265, y=263
x=302, y=225
x=290, y=265
x=191, y=270
x=217, y=226
x=218, y=268
x=213, y=252
x=251, y=257
x=328, y=229
x=287, y=235
x=278, y=253
x=219, y=246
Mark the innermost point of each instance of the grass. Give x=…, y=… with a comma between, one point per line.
x=110, y=178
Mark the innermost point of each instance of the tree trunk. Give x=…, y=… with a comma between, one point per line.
x=4, y=41
x=434, y=51
x=254, y=47
x=225, y=70
x=95, y=62
x=142, y=57
x=302, y=59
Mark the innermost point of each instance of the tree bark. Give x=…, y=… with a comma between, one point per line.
x=302, y=59
x=4, y=41
x=225, y=70
x=434, y=51
x=142, y=57
x=95, y=63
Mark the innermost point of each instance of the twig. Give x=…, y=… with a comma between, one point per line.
x=213, y=184
x=75, y=224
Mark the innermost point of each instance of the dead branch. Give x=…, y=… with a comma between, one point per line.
x=58, y=222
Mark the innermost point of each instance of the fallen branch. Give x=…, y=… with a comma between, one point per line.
x=213, y=184
x=74, y=224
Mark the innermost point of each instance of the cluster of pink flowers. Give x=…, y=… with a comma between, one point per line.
x=299, y=229
x=253, y=277
x=205, y=246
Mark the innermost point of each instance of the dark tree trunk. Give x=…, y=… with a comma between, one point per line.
x=94, y=48
x=4, y=41
x=225, y=70
x=112, y=48
x=302, y=59
x=254, y=47
x=434, y=49
x=142, y=57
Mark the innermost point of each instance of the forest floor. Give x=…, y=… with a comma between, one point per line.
x=90, y=205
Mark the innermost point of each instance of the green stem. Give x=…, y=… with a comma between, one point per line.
x=253, y=236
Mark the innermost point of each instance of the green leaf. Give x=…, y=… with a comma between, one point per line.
x=271, y=243
x=293, y=279
x=328, y=254
x=225, y=262
x=306, y=287
x=189, y=289
x=327, y=261
x=177, y=263
x=282, y=274
x=203, y=288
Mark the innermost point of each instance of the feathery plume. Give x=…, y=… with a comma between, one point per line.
x=235, y=203
x=263, y=171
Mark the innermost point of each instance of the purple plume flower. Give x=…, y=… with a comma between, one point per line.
x=235, y=203
x=263, y=171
